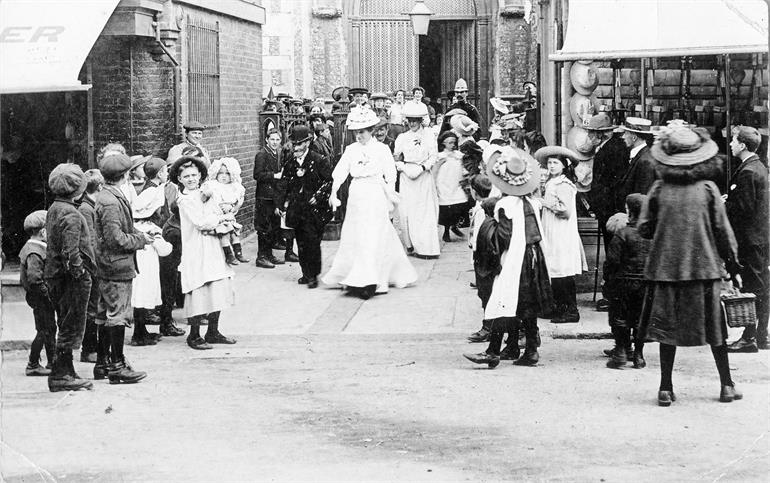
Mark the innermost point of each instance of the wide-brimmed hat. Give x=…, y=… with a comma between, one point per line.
x=282, y=95
x=194, y=126
x=414, y=110
x=340, y=93
x=461, y=86
x=511, y=122
x=184, y=161
x=35, y=220
x=138, y=160
x=546, y=152
x=114, y=165
x=500, y=105
x=513, y=171
x=582, y=109
x=600, y=122
x=67, y=180
x=579, y=142
x=679, y=144
x=378, y=95
x=637, y=124
x=300, y=134
x=359, y=90
x=361, y=118
x=584, y=78
x=463, y=125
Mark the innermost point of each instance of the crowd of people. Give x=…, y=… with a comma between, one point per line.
x=124, y=244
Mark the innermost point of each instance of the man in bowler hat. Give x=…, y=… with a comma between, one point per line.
x=307, y=178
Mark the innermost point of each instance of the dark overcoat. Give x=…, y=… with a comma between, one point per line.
x=747, y=203
x=299, y=190
x=638, y=178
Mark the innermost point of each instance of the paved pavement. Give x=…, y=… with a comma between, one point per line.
x=327, y=387
x=271, y=302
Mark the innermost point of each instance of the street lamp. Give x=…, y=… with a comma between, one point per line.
x=420, y=17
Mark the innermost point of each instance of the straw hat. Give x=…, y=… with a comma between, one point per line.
x=500, y=105
x=361, y=118
x=582, y=109
x=378, y=95
x=463, y=125
x=579, y=142
x=340, y=93
x=512, y=121
x=455, y=111
x=546, y=152
x=176, y=168
x=637, y=124
x=414, y=109
x=513, y=171
x=680, y=145
x=584, y=78
x=599, y=122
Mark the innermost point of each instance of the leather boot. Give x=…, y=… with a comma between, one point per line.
x=264, y=262
x=619, y=356
x=230, y=257
x=483, y=334
x=141, y=337
x=61, y=378
x=213, y=336
x=168, y=327
x=291, y=256
x=102, y=352
x=531, y=356
x=569, y=315
x=119, y=371
x=238, y=251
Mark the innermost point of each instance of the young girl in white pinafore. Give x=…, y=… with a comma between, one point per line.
x=563, y=249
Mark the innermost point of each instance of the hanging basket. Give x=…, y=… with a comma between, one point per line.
x=739, y=308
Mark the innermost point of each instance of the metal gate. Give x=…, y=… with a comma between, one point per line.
x=387, y=55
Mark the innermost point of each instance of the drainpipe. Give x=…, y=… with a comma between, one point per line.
x=177, y=76
x=767, y=59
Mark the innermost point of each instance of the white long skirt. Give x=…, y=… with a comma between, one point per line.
x=210, y=297
x=370, y=252
x=418, y=213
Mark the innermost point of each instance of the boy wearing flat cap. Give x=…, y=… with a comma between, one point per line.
x=116, y=244
x=32, y=257
x=68, y=269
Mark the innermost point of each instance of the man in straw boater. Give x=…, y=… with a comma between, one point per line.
x=640, y=174
x=193, y=135
x=747, y=209
x=304, y=199
x=522, y=287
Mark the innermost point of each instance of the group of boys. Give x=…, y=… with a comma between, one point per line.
x=77, y=268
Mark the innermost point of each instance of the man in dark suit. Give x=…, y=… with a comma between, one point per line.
x=322, y=143
x=747, y=209
x=640, y=174
x=308, y=179
x=267, y=223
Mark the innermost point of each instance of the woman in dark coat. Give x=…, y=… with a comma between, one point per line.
x=692, y=242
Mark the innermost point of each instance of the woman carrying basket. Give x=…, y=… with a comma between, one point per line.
x=692, y=242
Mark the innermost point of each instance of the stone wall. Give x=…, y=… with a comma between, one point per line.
x=516, y=49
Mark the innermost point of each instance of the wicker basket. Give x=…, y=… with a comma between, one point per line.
x=738, y=308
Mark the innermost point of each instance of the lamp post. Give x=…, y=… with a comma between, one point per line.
x=420, y=17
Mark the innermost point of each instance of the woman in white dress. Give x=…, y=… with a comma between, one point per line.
x=563, y=248
x=370, y=256
x=417, y=152
x=207, y=280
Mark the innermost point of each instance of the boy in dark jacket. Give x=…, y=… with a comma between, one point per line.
x=32, y=258
x=625, y=285
x=116, y=244
x=484, y=253
x=94, y=182
x=68, y=268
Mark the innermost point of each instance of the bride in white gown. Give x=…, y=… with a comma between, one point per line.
x=370, y=257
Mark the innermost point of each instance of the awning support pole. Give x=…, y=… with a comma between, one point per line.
x=728, y=121
x=643, y=86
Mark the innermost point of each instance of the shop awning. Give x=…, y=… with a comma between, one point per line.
x=614, y=29
x=43, y=43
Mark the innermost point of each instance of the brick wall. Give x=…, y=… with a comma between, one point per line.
x=240, y=65
x=133, y=96
x=516, y=43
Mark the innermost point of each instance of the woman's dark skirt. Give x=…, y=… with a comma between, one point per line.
x=535, y=294
x=450, y=215
x=684, y=313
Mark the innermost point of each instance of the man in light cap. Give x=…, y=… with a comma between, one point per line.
x=116, y=246
x=193, y=134
x=68, y=270
x=461, y=94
